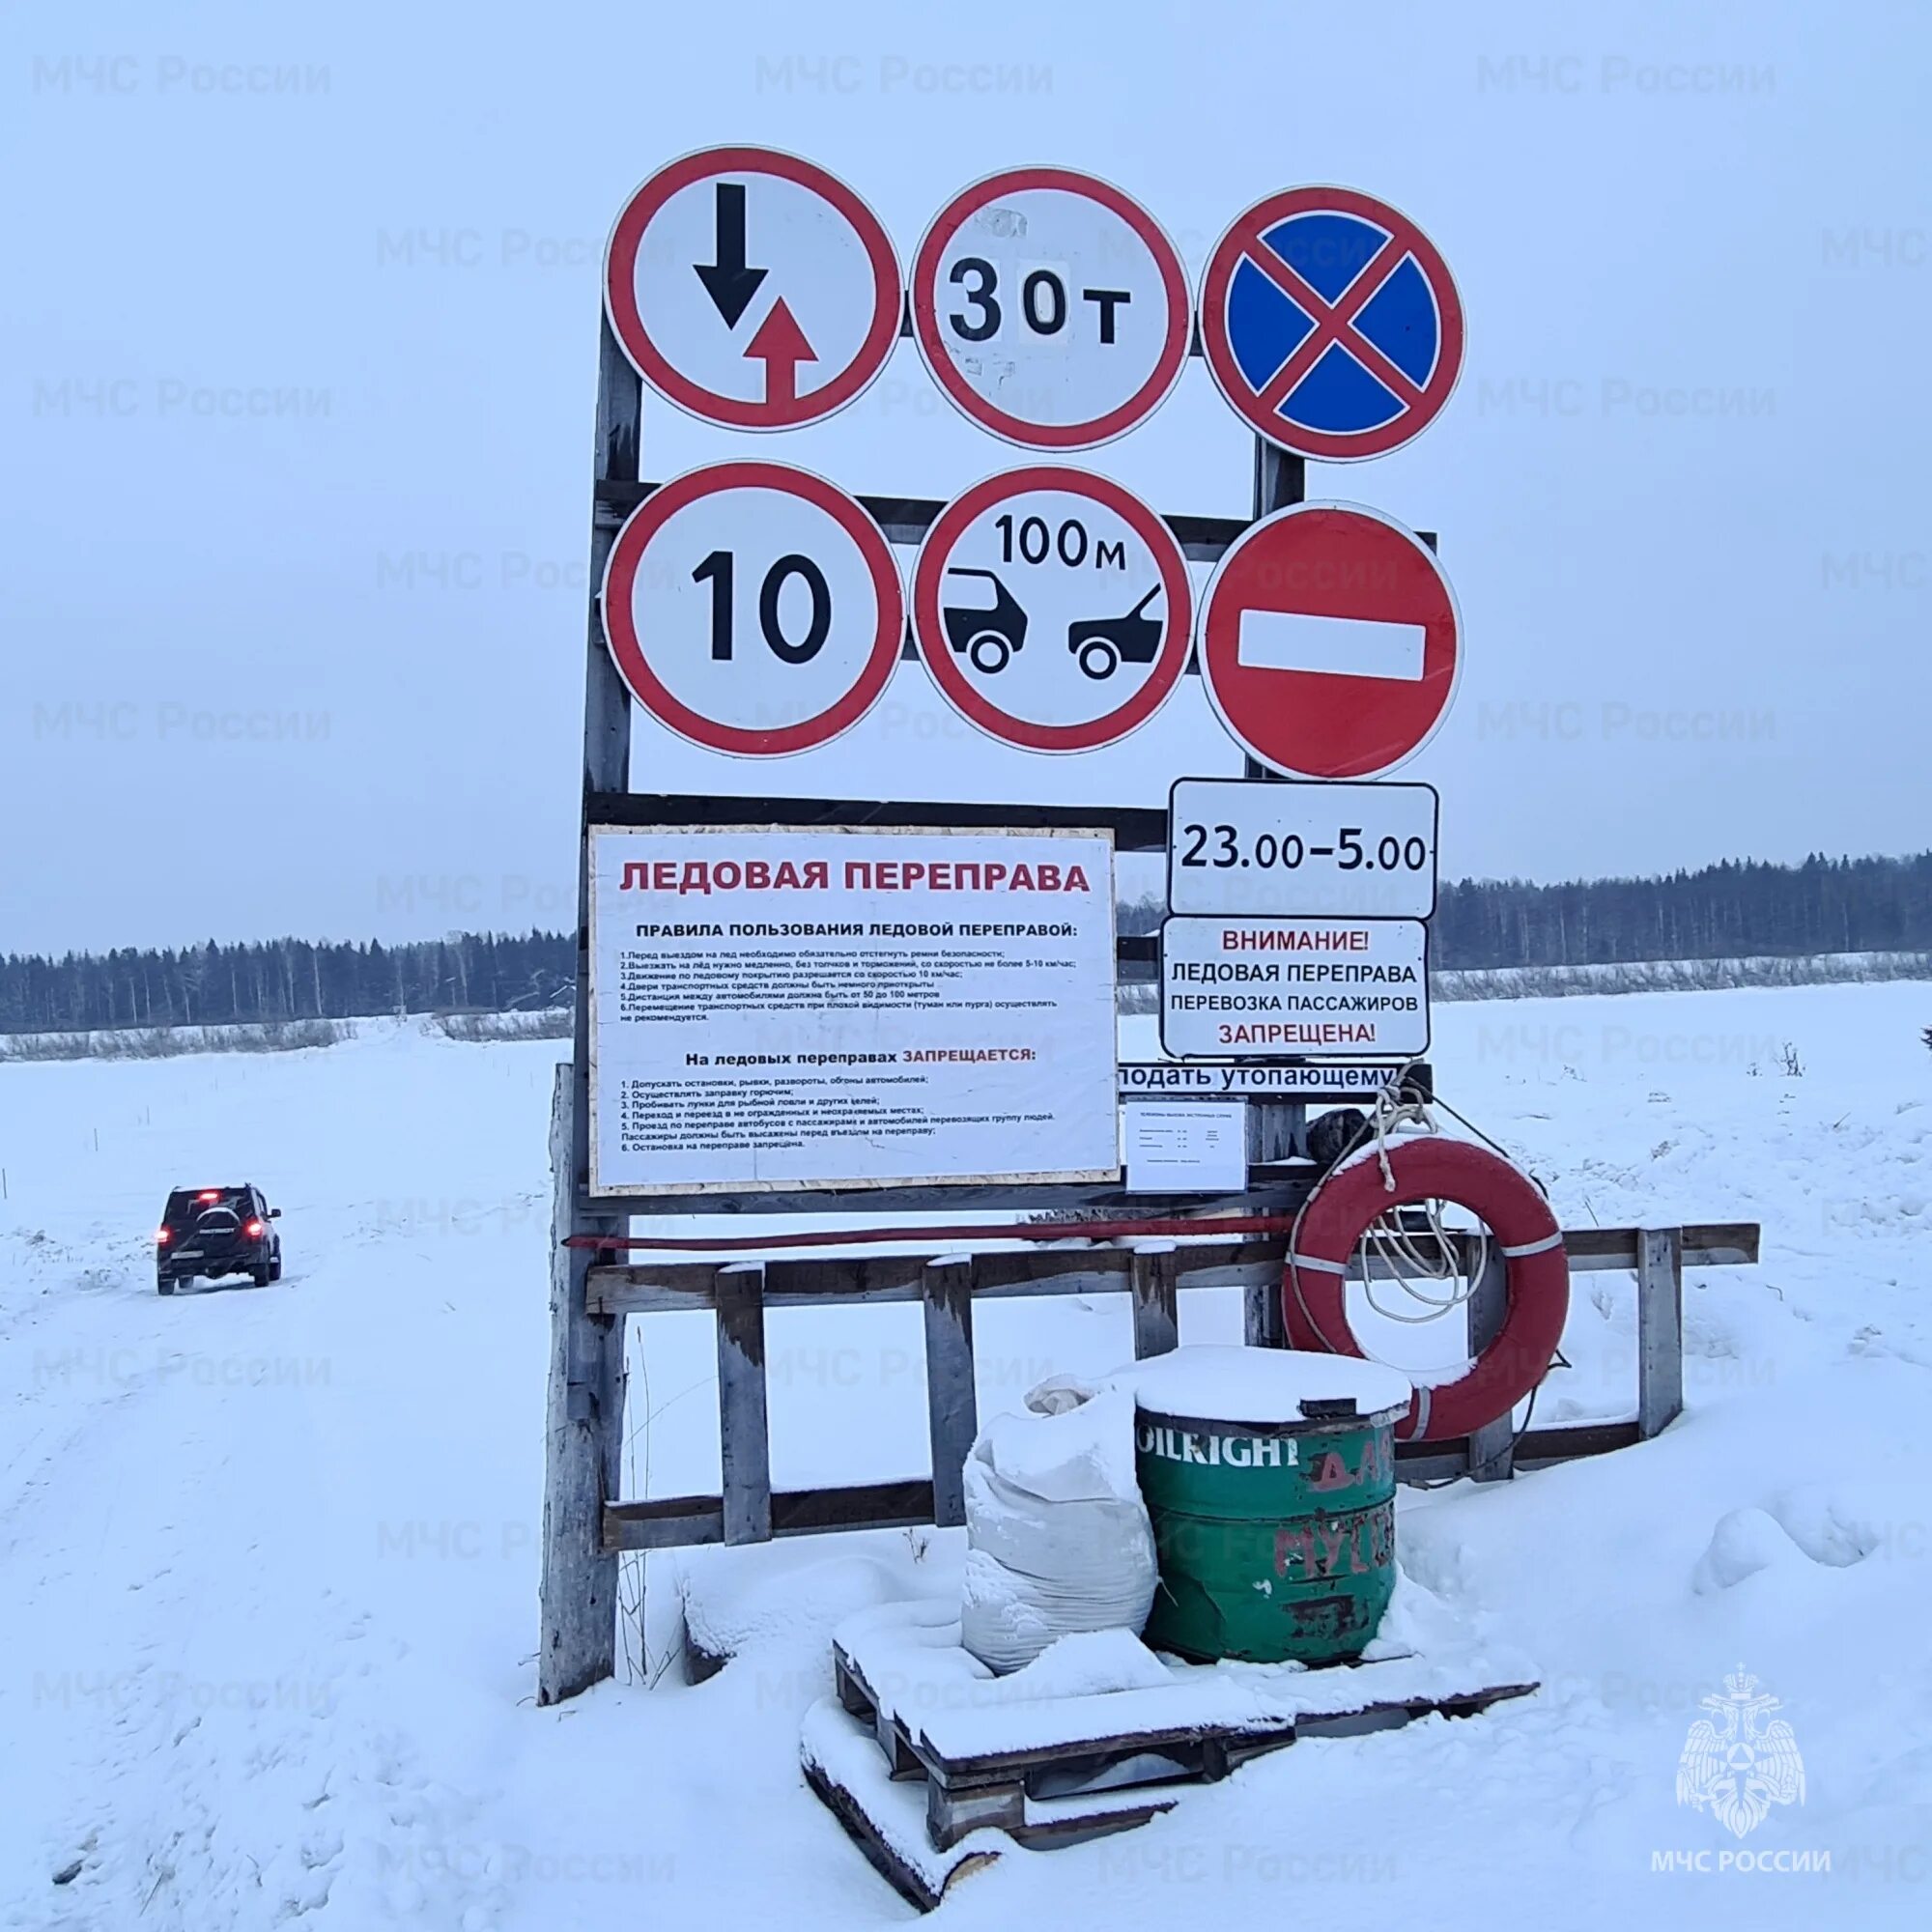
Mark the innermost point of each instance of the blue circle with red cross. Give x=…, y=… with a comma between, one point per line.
x=1332, y=323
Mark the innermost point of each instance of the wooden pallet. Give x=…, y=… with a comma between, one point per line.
x=1005, y=1790
x=887, y=1820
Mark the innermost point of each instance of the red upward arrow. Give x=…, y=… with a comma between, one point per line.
x=781, y=346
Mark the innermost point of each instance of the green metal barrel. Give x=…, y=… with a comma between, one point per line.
x=1276, y=1539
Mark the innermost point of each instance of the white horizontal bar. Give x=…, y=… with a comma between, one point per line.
x=1331, y=647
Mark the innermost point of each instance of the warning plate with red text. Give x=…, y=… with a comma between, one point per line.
x=1293, y=988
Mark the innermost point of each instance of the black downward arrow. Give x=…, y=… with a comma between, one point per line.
x=727, y=281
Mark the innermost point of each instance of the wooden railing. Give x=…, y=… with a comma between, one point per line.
x=587, y=1524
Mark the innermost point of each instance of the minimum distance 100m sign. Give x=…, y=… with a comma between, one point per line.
x=1053, y=609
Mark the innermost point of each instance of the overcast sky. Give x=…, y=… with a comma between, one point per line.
x=299, y=358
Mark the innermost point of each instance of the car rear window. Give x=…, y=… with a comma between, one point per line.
x=185, y=1203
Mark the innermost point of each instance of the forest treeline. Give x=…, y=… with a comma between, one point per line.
x=1740, y=908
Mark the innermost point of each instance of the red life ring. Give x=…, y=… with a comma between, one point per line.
x=1509, y=1204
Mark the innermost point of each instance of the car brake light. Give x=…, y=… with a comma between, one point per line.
x=210, y=1194
x=253, y=1229
x=162, y=1236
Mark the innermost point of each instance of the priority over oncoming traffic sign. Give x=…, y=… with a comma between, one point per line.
x=1330, y=642
x=1332, y=323
x=753, y=609
x=752, y=288
x=1050, y=307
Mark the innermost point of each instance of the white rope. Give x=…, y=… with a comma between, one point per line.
x=1399, y=1248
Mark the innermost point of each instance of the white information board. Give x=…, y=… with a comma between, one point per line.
x=1193, y=1146
x=778, y=1009
x=1247, y=846
x=1296, y=988
x=1173, y=1080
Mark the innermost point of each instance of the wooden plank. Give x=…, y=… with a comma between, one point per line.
x=1152, y=1273
x=666, y=1522
x=1262, y=1323
x=883, y=1851
x=1135, y=828
x=653, y=1300
x=1269, y=1193
x=743, y=1431
x=899, y=1505
x=1541, y=1447
x=1659, y=1330
x=1719, y=1244
x=951, y=1405
x=1535, y=1449
x=1199, y=1751
x=906, y=520
x=1488, y=1307
x=1250, y=1264
x=639, y=1286
x=682, y=1521
x=1275, y=1129
x=677, y=1523
x=584, y=1435
x=583, y=1440
x=1432, y=1462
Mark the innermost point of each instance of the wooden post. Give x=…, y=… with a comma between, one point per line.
x=951, y=1405
x=584, y=1467
x=1155, y=1274
x=744, y=1432
x=1659, y=1328
x=1492, y=1448
x=1277, y=1130
x=582, y=1452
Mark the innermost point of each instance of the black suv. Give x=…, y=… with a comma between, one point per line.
x=216, y=1230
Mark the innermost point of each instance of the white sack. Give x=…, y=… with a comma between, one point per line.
x=1058, y=1540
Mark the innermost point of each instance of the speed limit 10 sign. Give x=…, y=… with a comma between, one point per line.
x=753, y=608
x=1344, y=851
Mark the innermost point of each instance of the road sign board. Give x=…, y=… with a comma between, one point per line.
x=1295, y=989
x=1331, y=323
x=1242, y=845
x=753, y=608
x=1330, y=642
x=1052, y=608
x=752, y=288
x=1190, y=1080
x=1050, y=307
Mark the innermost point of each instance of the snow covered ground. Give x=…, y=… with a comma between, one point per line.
x=269, y=1556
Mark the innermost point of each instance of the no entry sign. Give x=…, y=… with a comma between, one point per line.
x=1330, y=642
x=751, y=289
x=1331, y=323
x=1052, y=608
x=1050, y=307
x=753, y=609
